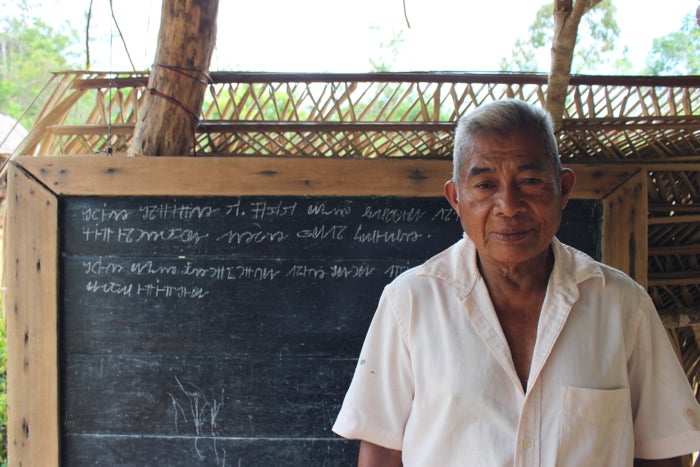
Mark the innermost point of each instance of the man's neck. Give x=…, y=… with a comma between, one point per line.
x=522, y=278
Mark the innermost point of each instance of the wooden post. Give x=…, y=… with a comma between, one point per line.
x=30, y=303
x=625, y=238
x=169, y=116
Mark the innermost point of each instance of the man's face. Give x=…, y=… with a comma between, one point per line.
x=509, y=200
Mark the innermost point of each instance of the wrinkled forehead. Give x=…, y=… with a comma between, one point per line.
x=513, y=152
x=486, y=167
x=514, y=145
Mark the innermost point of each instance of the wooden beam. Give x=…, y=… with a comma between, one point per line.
x=675, y=250
x=594, y=181
x=136, y=79
x=94, y=129
x=104, y=175
x=680, y=208
x=95, y=175
x=231, y=126
x=631, y=123
x=684, y=278
x=690, y=219
x=30, y=304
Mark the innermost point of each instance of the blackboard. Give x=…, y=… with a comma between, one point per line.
x=223, y=331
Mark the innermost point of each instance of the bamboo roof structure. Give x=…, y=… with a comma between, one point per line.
x=652, y=123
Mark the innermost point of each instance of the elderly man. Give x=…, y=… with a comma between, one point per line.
x=510, y=348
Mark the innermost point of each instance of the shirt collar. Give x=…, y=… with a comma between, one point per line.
x=457, y=266
x=572, y=267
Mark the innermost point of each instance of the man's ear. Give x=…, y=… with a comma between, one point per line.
x=568, y=180
x=452, y=194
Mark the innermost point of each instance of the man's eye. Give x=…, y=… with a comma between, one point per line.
x=484, y=186
x=531, y=181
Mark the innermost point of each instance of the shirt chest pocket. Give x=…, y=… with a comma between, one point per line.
x=593, y=423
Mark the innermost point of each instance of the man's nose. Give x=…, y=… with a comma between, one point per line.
x=509, y=200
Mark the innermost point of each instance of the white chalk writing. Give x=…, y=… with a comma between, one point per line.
x=320, y=209
x=393, y=215
x=249, y=237
x=304, y=272
x=445, y=215
x=333, y=271
x=252, y=273
x=395, y=270
x=234, y=209
x=202, y=412
x=155, y=289
x=158, y=290
x=351, y=272
x=385, y=236
x=104, y=214
x=261, y=209
x=110, y=288
x=100, y=267
x=147, y=267
x=136, y=235
x=168, y=211
x=334, y=232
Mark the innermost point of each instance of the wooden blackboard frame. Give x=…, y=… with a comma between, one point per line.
x=32, y=282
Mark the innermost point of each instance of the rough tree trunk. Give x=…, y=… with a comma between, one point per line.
x=567, y=17
x=170, y=112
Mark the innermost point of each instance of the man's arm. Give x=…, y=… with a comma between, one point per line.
x=675, y=462
x=373, y=455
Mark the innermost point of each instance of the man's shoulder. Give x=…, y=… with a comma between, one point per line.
x=581, y=267
x=450, y=266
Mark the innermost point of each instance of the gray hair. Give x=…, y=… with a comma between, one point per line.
x=500, y=118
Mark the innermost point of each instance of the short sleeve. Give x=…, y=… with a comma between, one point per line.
x=378, y=402
x=666, y=413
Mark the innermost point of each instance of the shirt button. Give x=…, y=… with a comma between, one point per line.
x=527, y=444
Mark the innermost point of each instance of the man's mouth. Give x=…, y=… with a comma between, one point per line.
x=512, y=236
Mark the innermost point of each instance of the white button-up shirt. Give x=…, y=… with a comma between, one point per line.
x=435, y=378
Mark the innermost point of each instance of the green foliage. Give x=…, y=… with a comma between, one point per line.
x=676, y=53
x=524, y=57
x=596, y=47
x=29, y=51
x=388, y=50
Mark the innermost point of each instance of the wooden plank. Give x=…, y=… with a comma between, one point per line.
x=120, y=175
x=31, y=314
x=252, y=396
x=687, y=219
x=227, y=126
x=137, y=79
x=670, y=279
x=625, y=242
x=594, y=181
x=126, y=129
x=676, y=250
x=86, y=450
